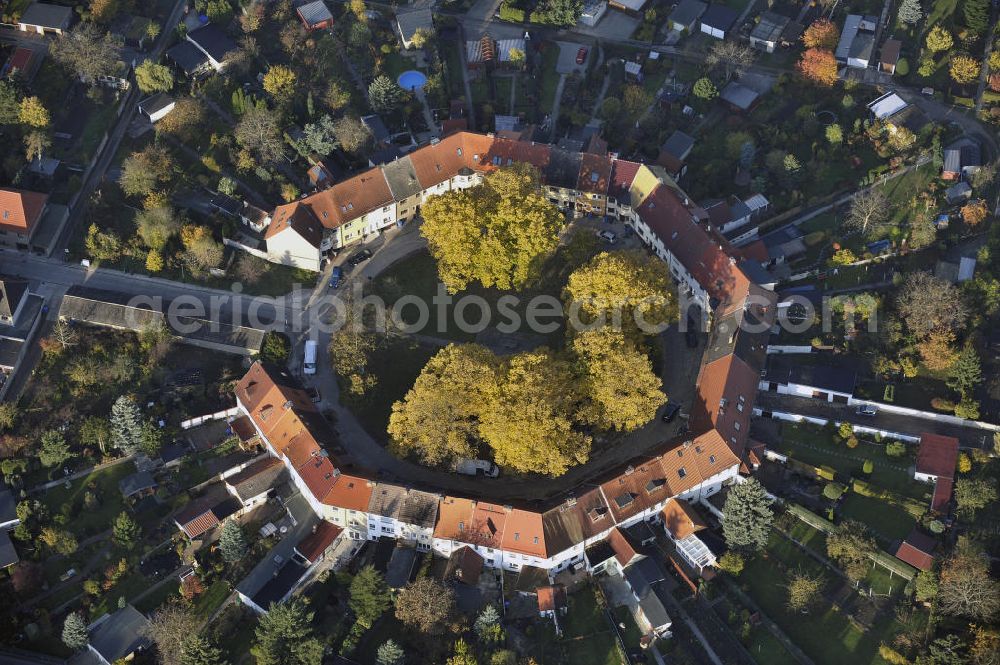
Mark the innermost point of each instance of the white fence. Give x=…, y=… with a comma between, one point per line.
x=861, y=429
x=235, y=244
x=201, y=420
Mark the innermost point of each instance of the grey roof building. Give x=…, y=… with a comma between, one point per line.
x=679, y=145
x=44, y=17
x=739, y=96
x=213, y=42
x=686, y=15
x=768, y=31
x=137, y=483
x=187, y=57
x=409, y=22
x=119, y=635
x=255, y=480
x=401, y=178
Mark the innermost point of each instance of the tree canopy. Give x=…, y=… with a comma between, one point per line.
x=284, y=636
x=498, y=233
x=747, y=516
x=426, y=605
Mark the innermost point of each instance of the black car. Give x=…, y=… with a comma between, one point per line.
x=360, y=257
x=670, y=412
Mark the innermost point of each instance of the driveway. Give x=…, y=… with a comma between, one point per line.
x=567, y=57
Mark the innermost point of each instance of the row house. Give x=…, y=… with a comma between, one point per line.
x=402, y=513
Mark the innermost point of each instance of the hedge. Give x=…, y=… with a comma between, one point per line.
x=513, y=14
x=811, y=518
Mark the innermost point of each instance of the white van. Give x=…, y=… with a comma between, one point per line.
x=309, y=360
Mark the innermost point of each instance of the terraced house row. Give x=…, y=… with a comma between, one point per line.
x=556, y=533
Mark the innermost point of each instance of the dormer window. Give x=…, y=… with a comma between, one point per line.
x=682, y=472
x=624, y=500
x=461, y=526
x=711, y=459
x=655, y=484
x=458, y=151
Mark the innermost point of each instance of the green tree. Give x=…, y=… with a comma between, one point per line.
x=284, y=636
x=803, y=589
x=925, y=585
x=126, y=424
x=155, y=227
x=10, y=104
x=320, y=137
x=390, y=653
x=705, y=89
x=275, y=348
x=976, y=14
x=125, y=531
x=54, y=449
x=351, y=134
x=463, y=654
x=8, y=415
x=731, y=562
x=151, y=77
x=487, y=626
x=852, y=547
x=972, y=494
x=747, y=516
x=59, y=541
x=146, y=171
x=384, y=95
x=369, y=596
x=233, y=542
x=910, y=12
x=621, y=390
x=497, y=233
x=198, y=650
x=868, y=467
x=74, y=634
x=966, y=373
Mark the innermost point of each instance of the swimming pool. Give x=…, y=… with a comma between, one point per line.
x=411, y=80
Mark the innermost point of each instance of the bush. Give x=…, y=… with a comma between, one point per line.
x=887, y=653
x=833, y=491
x=868, y=467
x=826, y=472
x=903, y=67
x=513, y=14
x=846, y=430
x=852, y=442
x=935, y=526
x=895, y=449
x=732, y=563
x=942, y=404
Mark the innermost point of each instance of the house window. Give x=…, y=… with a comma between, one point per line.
x=682, y=472
x=517, y=536
x=711, y=459
x=458, y=151
x=461, y=526
x=737, y=426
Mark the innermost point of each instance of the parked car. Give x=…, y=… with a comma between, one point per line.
x=670, y=412
x=867, y=410
x=581, y=55
x=607, y=236
x=474, y=467
x=336, y=276
x=360, y=256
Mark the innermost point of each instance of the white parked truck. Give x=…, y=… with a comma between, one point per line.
x=474, y=467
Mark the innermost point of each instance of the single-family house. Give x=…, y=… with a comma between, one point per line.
x=718, y=20
x=685, y=16
x=253, y=485
x=682, y=522
x=857, y=40
x=189, y=59
x=214, y=43
x=739, y=97
x=889, y=57
x=119, y=636
x=8, y=522
x=674, y=153
x=21, y=216
x=410, y=22
x=917, y=550
x=45, y=18
x=315, y=15
x=936, y=460
x=254, y=217
x=138, y=485
x=405, y=514
x=592, y=12
x=767, y=33
x=962, y=158
x=156, y=107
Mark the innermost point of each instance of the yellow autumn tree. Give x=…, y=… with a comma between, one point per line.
x=622, y=285
x=438, y=419
x=33, y=113
x=939, y=39
x=497, y=233
x=938, y=350
x=964, y=69
x=621, y=390
x=280, y=83
x=530, y=421
x=974, y=212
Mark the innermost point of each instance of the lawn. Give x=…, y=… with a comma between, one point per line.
x=87, y=522
x=890, y=523
x=940, y=11
x=153, y=600
x=826, y=635
x=766, y=649
x=211, y=599
x=812, y=445
x=587, y=637
x=397, y=366
x=550, y=78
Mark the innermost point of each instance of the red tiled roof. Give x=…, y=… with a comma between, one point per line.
x=350, y=492
x=312, y=546
x=937, y=455
x=681, y=519
x=196, y=518
x=551, y=598
x=20, y=210
x=524, y=533
x=942, y=494
x=21, y=58
x=243, y=428
x=917, y=550
x=464, y=565
x=621, y=546
x=755, y=251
